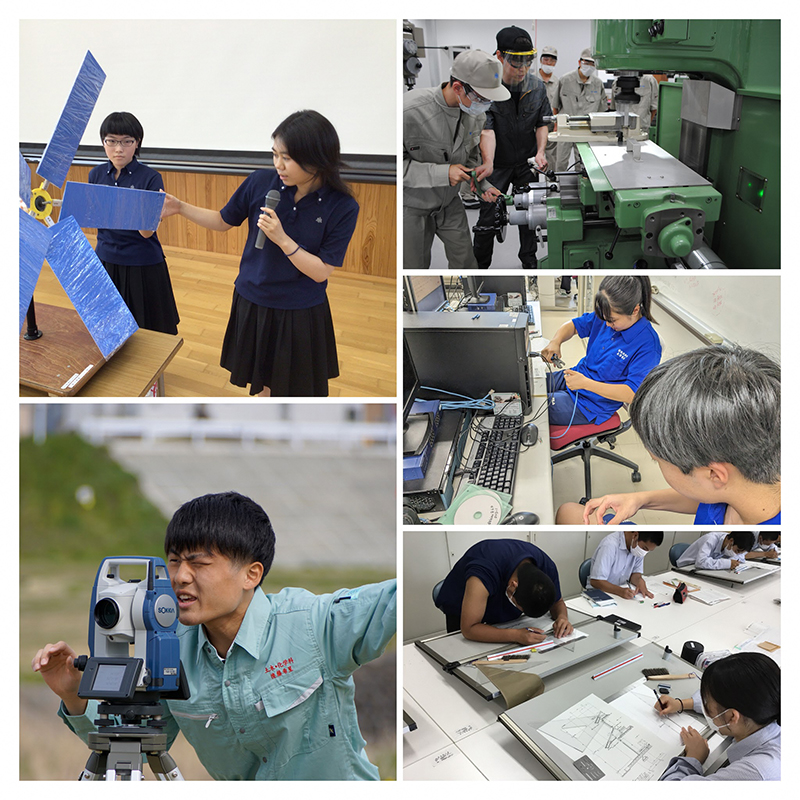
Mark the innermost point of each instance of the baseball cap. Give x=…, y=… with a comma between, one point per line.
x=483, y=72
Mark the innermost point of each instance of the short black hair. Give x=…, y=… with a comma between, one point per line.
x=122, y=123
x=748, y=682
x=535, y=592
x=769, y=535
x=716, y=404
x=744, y=540
x=227, y=523
x=620, y=294
x=312, y=141
x=657, y=537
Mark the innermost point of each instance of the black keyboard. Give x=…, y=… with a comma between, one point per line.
x=493, y=459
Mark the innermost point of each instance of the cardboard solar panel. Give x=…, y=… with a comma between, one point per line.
x=98, y=206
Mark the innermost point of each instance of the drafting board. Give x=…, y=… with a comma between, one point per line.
x=754, y=572
x=454, y=649
x=607, y=735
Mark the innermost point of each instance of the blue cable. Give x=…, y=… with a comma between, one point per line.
x=574, y=409
x=470, y=402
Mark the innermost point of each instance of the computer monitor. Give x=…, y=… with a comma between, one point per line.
x=411, y=382
x=425, y=293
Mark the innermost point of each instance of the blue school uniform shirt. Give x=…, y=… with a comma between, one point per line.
x=714, y=514
x=621, y=357
x=322, y=223
x=281, y=705
x=493, y=561
x=128, y=248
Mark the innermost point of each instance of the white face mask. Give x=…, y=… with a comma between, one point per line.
x=587, y=70
x=728, y=553
x=477, y=108
x=639, y=552
x=546, y=68
x=710, y=721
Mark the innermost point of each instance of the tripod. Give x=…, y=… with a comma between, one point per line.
x=118, y=748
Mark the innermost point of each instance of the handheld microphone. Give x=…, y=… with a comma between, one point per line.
x=270, y=201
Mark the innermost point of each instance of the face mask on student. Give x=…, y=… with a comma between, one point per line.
x=728, y=553
x=712, y=725
x=477, y=108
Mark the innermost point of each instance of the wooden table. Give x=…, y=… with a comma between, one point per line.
x=48, y=364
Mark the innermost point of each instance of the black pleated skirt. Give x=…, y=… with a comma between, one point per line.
x=147, y=291
x=290, y=351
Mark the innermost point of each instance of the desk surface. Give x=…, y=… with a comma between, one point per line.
x=131, y=371
x=458, y=735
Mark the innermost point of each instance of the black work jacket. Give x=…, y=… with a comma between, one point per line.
x=515, y=125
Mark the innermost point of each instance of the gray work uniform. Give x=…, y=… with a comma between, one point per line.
x=552, y=86
x=576, y=98
x=648, y=99
x=434, y=137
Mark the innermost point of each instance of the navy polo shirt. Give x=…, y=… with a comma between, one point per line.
x=493, y=562
x=714, y=514
x=128, y=248
x=322, y=223
x=623, y=357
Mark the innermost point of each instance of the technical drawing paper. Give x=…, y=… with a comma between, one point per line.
x=607, y=745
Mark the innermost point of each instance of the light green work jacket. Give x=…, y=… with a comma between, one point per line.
x=281, y=705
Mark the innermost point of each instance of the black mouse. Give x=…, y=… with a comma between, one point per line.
x=522, y=518
x=529, y=434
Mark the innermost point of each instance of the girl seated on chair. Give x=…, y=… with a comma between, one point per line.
x=740, y=696
x=622, y=348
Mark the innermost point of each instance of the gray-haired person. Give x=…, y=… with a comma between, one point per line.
x=711, y=419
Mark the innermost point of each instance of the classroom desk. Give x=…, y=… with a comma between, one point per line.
x=131, y=371
x=458, y=735
x=718, y=627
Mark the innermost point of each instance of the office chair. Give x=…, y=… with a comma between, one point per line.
x=675, y=552
x=583, y=572
x=435, y=592
x=585, y=440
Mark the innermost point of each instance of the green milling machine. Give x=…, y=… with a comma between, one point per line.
x=699, y=190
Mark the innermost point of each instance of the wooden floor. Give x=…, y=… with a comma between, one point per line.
x=364, y=315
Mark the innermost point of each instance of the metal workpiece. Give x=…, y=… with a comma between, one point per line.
x=609, y=127
x=704, y=257
x=530, y=208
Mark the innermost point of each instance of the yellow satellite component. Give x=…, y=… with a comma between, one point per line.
x=41, y=203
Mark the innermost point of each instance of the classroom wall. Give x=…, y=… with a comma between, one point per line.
x=372, y=250
x=746, y=309
x=429, y=555
x=217, y=84
x=743, y=308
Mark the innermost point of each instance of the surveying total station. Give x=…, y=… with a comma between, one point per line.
x=142, y=612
